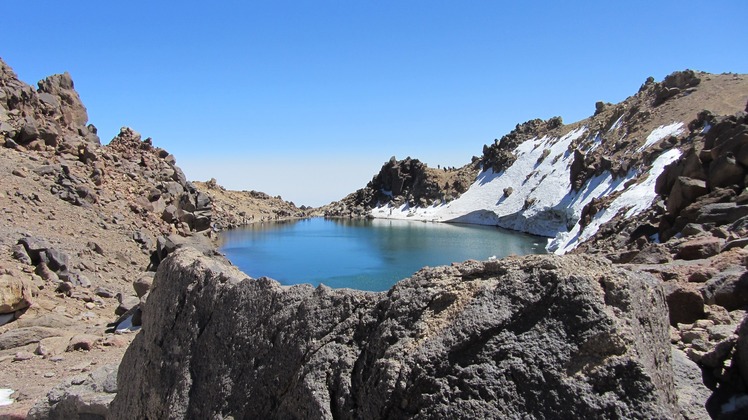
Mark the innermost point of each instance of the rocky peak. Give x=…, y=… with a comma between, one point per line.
x=674, y=84
x=499, y=155
x=52, y=116
x=58, y=92
x=408, y=181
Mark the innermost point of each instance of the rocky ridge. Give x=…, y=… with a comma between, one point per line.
x=81, y=227
x=232, y=209
x=549, y=172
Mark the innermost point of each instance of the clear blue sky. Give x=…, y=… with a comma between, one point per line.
x=306, y=99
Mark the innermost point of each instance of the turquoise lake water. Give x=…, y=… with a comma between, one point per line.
x=363, y=254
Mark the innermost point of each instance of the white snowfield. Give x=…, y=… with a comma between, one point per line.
x=541, y=201
x=5, y=394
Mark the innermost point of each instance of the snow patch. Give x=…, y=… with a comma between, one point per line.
x=616, y=125
x=5, y=394
x=660, y=133
x=633, y=201
x=126, y=325
x=541, y=201
x=539, y=179
x=598, y=140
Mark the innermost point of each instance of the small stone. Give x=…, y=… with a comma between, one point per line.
x=694, y=334
x=49, y=374
x=126, y=303
x=104, y=292
x=143, y=284
x=23, y=356
x=65, y=287
x=695, y=355
x=82, y=342
x=703, y=323
x=718, y=314
x=115, y=341
x=720, y=332
x=700, y=345
x=41, y=350
x=90, y=305
x=93, y=246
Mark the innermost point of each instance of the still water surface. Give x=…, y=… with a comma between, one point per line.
x=363, y=254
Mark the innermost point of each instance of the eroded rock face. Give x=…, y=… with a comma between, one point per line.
x=542, y=336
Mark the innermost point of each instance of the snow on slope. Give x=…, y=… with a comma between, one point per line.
x=662, y=132
x=634, y=200
x=542, y=201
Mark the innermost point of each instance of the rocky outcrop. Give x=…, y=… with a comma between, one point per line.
x=674, y=84
x=49, y=116
x=704, y=186
x=499, y=156
x=232, y=209
x=537, y=336
x=168, y=195
x=407, y=182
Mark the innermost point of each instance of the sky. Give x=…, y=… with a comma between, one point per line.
x=307, y=99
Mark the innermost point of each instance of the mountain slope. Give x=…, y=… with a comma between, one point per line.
x=540, y=177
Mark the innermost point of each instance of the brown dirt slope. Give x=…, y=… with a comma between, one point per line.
x=236, y=208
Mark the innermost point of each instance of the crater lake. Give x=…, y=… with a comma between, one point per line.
x=363, y=254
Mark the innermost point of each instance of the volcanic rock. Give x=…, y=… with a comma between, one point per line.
x=703, y=247
x=538, y=336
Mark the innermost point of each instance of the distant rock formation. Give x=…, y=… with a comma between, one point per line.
x=568, y=181
x=408, y=182
x=499, y=155
x=538, y=336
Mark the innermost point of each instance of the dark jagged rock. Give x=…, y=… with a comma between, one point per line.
x=538, y=336
x=499, y=156
x=406, y=181
x=675, y=84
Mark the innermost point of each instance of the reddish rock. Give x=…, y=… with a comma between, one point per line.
x=699, y=248
x=652, y=254
x=15, y=294
x=82, y=342
x=115, y=341
x=143, y=284
x=685, y=191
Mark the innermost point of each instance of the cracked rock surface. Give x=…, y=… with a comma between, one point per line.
x=536, y=336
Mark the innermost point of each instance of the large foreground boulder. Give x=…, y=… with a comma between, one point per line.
x=529, y=337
